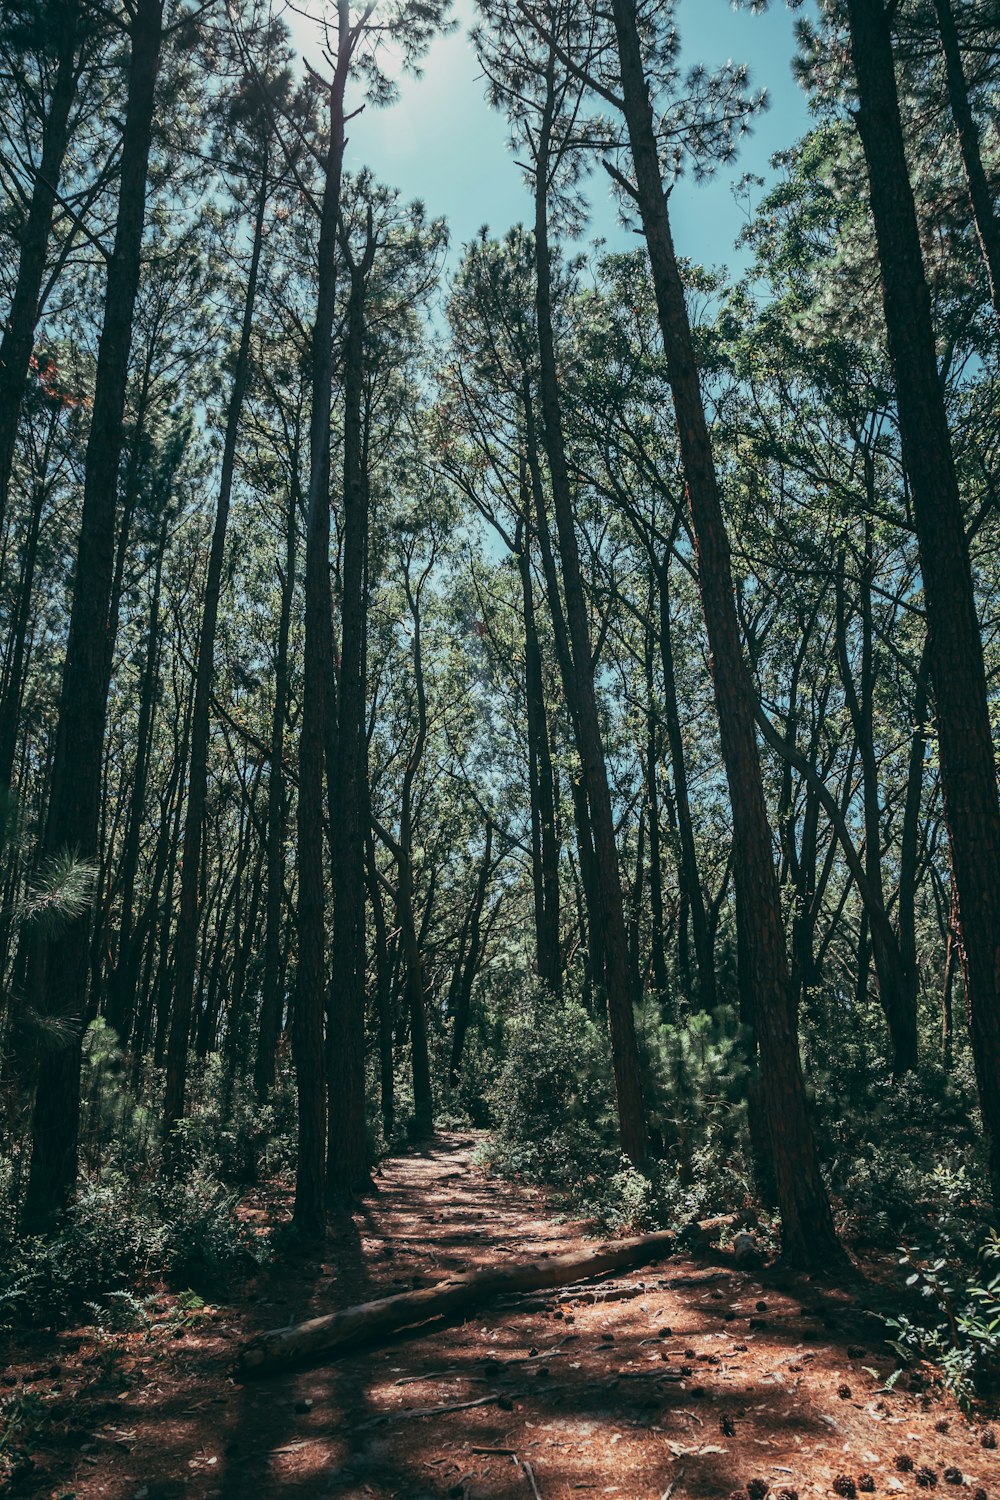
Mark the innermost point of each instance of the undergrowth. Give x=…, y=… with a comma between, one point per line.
x=133, y=1226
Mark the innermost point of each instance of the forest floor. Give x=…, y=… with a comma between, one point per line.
x=539, y=1398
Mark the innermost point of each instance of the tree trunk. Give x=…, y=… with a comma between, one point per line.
x=690, y=878
x=277, y=819
x=318, y=680
x=188, y=915
x=462, y=1008
x=62, y=961
x=808, y=1235
x=375, y=1320
x=987, y=223
x=383, y=998
x=347, y=1166
x=22, y=318
x=17, y=666
x=657, y=949
x=423, y=1100
x=968, y=766
x=121, y=987
x=544, y=838
x=624, y=1048
x=897, y=988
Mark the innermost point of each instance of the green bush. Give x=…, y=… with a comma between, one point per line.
x=960, y=1330
x=552, y=1104
x=115, y=1241
x=203, y=1242
x=108, y=1243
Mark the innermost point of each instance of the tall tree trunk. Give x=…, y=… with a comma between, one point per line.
x=121, y=988
x=968, y=765
x=624, y=1048
x=808, y=1235
x=383, y=998
x=460, y=1005
x=61, y=962
x=544, y=838
x=186, y=935
x=897, y=988
x=987, y=223
x=347, y=1165
x=318, y=679
x=277, y=819
x=690, y=877
x=657, y=949
x=10, y=709
x=423, y=1099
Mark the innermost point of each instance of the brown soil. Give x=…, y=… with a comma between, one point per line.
x=686, y=1380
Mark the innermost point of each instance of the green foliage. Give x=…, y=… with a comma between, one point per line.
x=960, y=1330
x=552, y=1104
x=130, y=1226
x=108, y=1243
x=120, y=1237
x=552, y=1110
x=227, y=1133
x=203, y=1242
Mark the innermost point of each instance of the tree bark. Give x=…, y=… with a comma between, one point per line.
x=269, y=1027
x=423, y=1100
x=347, y=1167
x=188, y=914
x=461, y=1008
x=22, y=318
x=618, y=981
x=690, y=877
x=987, y=223
x=968, y=763
x=318, y=679
x=373, y=1321
x=383, y=1001
x=657, y=947
x=60, y=969
x=544, y=838
x=808, y=1235
x=896, y=986
x=120, y=1002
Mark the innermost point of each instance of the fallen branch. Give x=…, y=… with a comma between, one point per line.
x=372, y=1321
x=530, y=1476
x=668, y=1492
x=406, y=1412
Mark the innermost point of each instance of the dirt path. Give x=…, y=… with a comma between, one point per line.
x=686, y=1380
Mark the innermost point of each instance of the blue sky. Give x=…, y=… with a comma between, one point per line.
x=442, y=143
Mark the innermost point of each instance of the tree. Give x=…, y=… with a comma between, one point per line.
x=545, y=127
x=60, y=965
x=254, y=107
x=968, y=762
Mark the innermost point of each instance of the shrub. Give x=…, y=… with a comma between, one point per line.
x=960, y=1332
x=552, y=1104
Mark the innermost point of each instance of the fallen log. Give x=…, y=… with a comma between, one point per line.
x=371, y=1321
